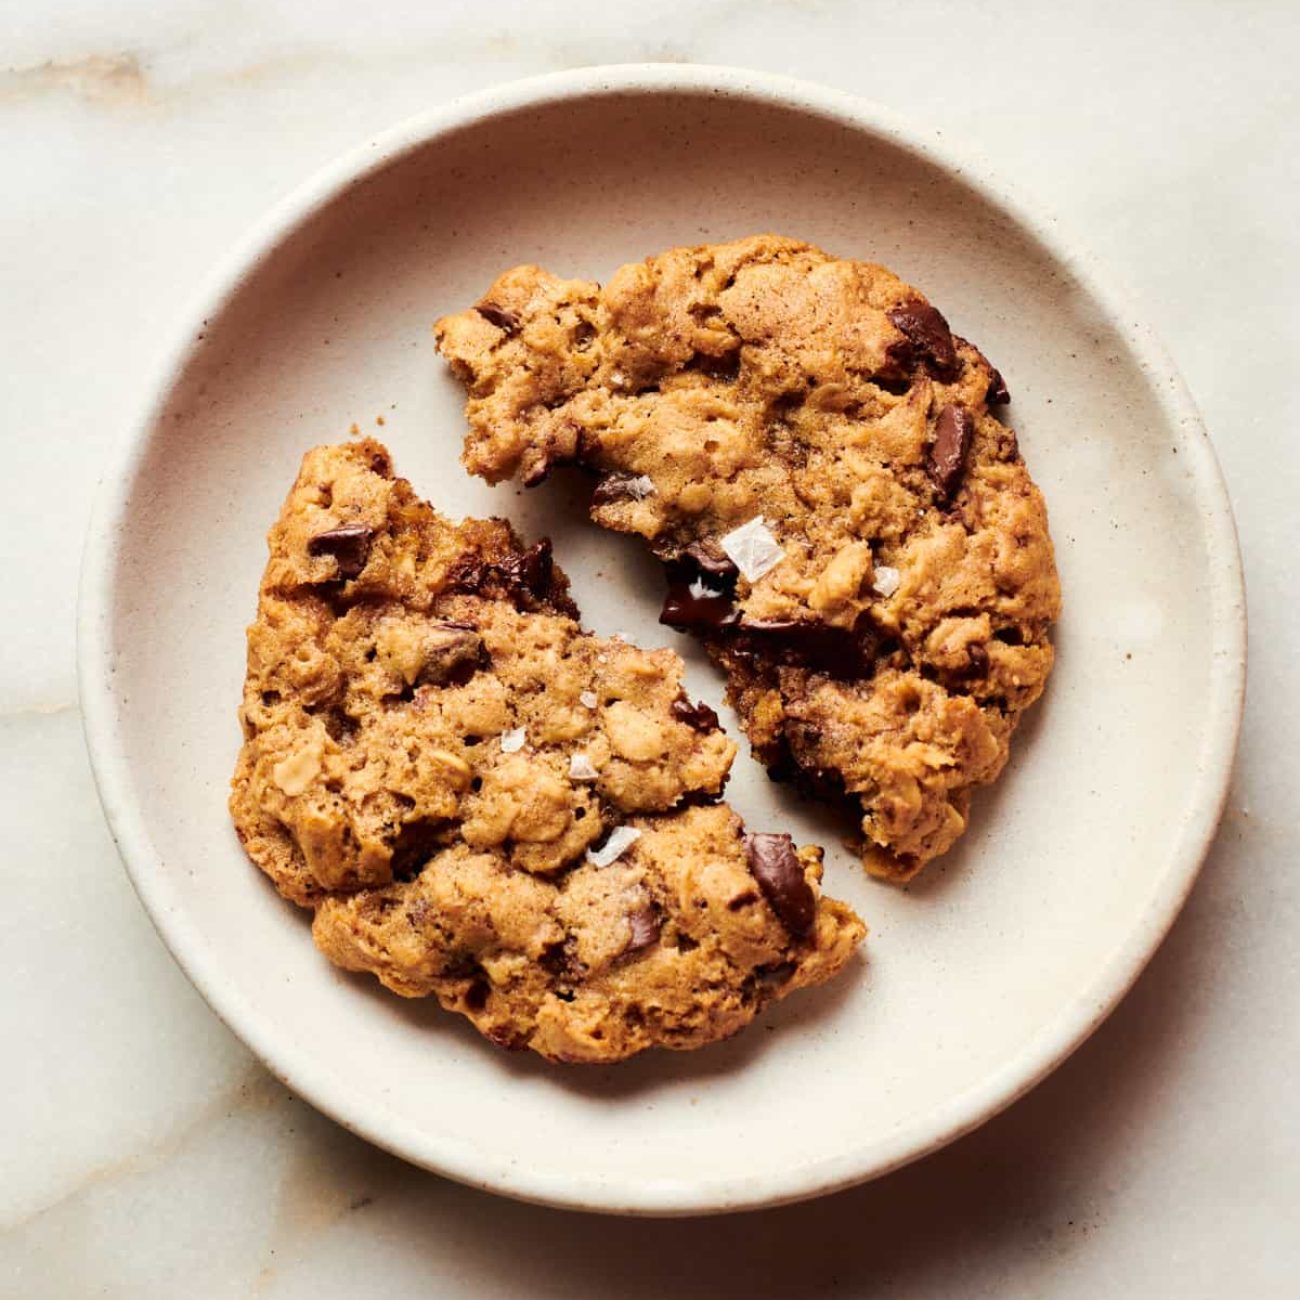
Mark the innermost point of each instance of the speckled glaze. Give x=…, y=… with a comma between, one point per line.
x=981, y=977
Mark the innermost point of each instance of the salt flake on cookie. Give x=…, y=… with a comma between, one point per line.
x=620, y=839
x=753, y=549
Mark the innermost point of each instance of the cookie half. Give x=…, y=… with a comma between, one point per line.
x=810, y=450
x=484, y=803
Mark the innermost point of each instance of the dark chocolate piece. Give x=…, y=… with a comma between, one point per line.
x=841, y=652
x=645, y=930
x=699, y=716
x=531, y=570
x=683, y=608
x=698, y=562
x=349, y=544
x=945, y=460
x=712, y=604
x=997, y=394
x=929, y=335
x=775, y=865
x=453, y=653
x=525, y=576
x=613, y=487
x=498, y=316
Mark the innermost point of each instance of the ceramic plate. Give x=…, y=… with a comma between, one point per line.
x=978, y=979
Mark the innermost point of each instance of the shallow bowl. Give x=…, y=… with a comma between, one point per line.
x=979, y=978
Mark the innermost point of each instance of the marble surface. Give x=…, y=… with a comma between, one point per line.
x=144, y=1152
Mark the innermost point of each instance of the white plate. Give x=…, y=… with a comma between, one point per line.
x=980, y=978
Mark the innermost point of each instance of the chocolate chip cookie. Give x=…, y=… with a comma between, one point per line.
x=484, y=803
x=811, y=451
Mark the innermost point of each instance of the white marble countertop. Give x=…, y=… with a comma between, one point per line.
x=145, y=1153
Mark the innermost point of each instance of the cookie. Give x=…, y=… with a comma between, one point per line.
x=810, y=450
x=485, y=803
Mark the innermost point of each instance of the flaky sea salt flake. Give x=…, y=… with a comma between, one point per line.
x=513, y=741
x=620, y=839
x=588, y=699
x=885, y=580
x=639, y=488
x=753, y=549
x=581, y=769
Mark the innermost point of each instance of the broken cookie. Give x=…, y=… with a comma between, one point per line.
x=485, y=803
x=809, y=449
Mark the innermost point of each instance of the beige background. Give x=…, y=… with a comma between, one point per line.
x=144, y=1152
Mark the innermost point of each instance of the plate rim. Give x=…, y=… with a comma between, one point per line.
x=298, y=1068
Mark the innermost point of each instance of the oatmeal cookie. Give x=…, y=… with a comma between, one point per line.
x=485, y=803
x=810, y=450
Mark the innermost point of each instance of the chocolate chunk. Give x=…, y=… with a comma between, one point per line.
x=775, y=865
x=349, y=544
x=929, y=335
x=945, y=460
x=615, y=487
x=645, y=930
x=525, y=577
x=701, y=590
x=841, y=652
x=699, y=716
x=686, y=608
x=469, y=574
x=531, y=570
x=979, y=659
x=453, y=653
x=698, y=562
x=560, y=961
x=997, y=394
x=498, y=316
